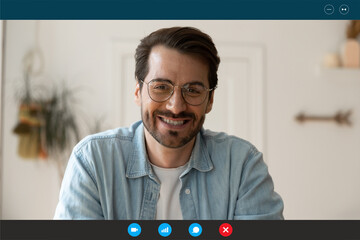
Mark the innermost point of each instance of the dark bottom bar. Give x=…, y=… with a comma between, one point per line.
x=49, y=229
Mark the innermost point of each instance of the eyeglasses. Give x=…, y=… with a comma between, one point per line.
x=161, y=90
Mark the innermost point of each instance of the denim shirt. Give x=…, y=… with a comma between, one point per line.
x=109, y=176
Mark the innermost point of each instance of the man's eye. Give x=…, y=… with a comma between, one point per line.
x=193, y=90
x=161, y=87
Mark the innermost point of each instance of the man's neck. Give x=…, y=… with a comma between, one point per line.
x=165, y=157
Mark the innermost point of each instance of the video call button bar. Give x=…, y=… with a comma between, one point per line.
x=176, y=230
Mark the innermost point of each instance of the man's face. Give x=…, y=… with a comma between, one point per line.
x=173, y=123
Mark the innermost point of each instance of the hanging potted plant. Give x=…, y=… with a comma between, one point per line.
x=47, y=126
x=351, y=48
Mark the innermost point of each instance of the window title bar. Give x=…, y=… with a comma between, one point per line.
x=180, y=9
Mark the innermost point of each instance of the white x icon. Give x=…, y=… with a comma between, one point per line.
x=225, y=229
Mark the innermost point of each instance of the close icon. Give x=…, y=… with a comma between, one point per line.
x=225, y=229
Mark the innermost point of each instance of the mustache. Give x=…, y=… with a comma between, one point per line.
x=171, y=115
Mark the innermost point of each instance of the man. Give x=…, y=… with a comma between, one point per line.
x=167, y=166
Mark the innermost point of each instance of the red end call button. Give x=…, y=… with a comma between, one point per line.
x=225, y=230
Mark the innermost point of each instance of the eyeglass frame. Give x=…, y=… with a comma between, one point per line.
x=173, y=90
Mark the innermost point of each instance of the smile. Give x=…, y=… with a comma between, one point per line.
x=173, y=122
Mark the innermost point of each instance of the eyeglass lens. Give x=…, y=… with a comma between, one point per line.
x=161, y=90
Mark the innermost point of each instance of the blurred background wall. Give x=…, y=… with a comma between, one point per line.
x=315, y=165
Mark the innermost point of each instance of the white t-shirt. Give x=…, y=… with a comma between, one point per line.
x=168, y=205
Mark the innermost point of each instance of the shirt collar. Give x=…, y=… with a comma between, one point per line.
x=200, y=158
x=139, y=165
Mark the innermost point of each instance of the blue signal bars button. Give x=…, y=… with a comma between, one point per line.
x=165, y=229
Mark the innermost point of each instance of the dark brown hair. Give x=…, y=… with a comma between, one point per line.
x=186, y=40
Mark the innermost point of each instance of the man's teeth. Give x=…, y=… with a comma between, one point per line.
x=173, y=122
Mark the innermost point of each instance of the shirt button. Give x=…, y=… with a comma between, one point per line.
x=187, y=191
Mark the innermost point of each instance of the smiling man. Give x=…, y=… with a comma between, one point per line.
x=167, y=166
x=174, y=106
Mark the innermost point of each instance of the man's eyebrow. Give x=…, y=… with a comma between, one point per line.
x=167, y=80
x=196, y=83
x=162, y=80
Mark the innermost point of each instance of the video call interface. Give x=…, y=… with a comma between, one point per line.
x=285, y=108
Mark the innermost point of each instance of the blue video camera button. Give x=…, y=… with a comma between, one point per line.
x=134, y=229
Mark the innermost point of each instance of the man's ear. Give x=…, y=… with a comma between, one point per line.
x=210, y=102
x=137, y=94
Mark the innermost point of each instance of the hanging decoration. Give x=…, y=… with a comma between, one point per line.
x=45, y=125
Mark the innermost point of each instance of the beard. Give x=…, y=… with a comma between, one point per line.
x=171, y=139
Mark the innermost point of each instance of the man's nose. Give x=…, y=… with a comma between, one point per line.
x=176, y=103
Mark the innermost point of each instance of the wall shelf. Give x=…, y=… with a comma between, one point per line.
x=339, y=73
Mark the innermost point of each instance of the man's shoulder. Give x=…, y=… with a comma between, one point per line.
x=122, y=134
x=222, y=140
x=220, y=137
